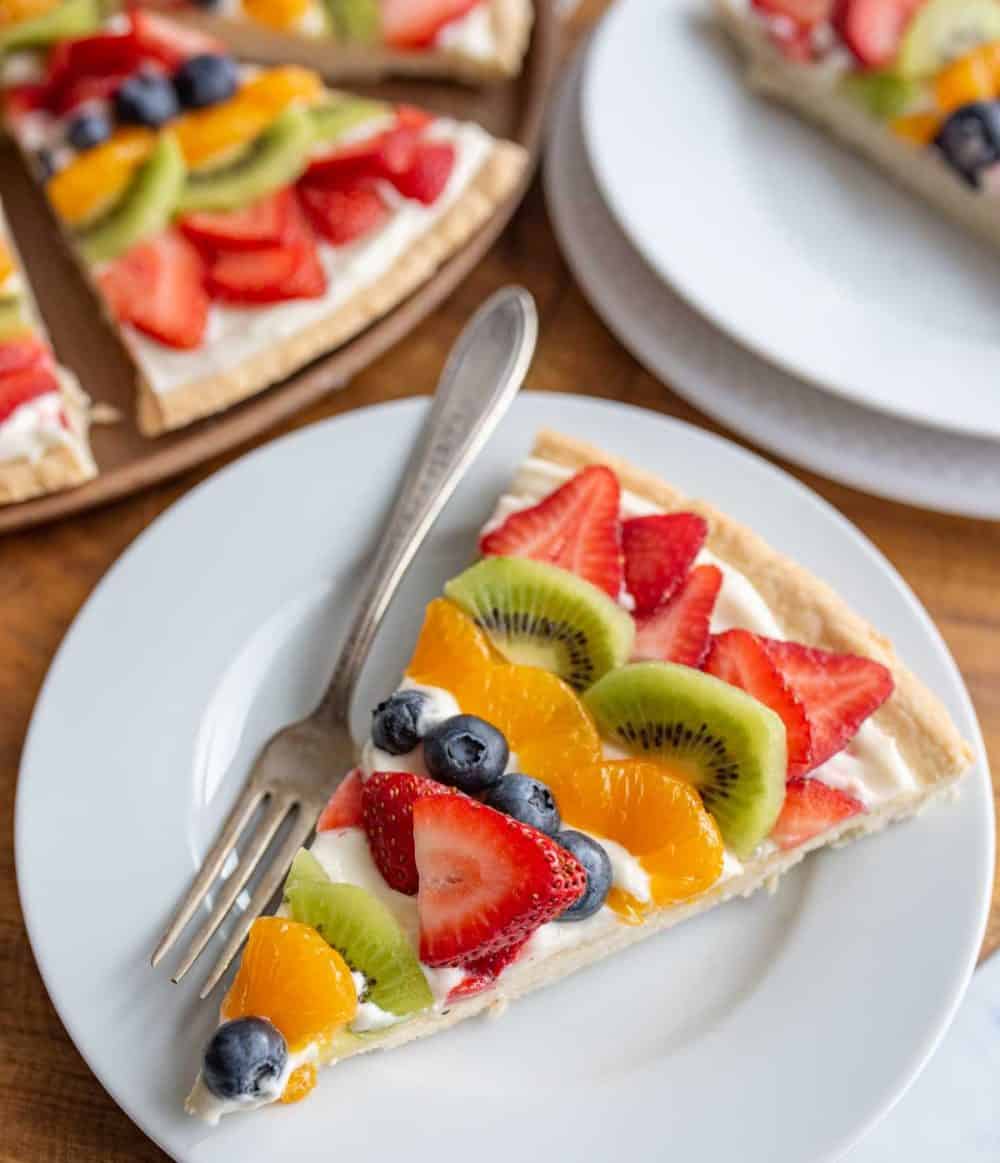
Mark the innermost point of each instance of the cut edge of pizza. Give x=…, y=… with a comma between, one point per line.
x=44, y=414
x=238, y=222
x=629, y=710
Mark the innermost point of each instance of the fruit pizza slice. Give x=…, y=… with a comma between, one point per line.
x=238, y=222
x=628, y=711
x=912, y=84
x=467, y=40
x=43, y=413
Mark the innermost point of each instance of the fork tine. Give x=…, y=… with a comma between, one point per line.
x=269, y=882
x=275, y=810
x=243, y=809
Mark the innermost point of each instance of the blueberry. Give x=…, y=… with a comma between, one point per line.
x=87, y=130
x=396, y=722
x=244, y=1059
x=206, y=79
x=597, y=865
x=527, y=800
x=146, y=98
x=970, y=139
x=466, y=752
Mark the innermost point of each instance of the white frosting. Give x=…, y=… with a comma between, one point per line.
x=34, y=428
x=471, y=35
x=203, y=1104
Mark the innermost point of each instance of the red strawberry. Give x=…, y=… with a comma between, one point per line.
x=810, y=808
x=838, y=692
x=415, y=23
x=483, y=971
x=159, y=39
x=742, y=659
x=266, y=222
x=576, y=527
x=21, y=387
x=344, y=808
x=411, y=117
x=679, y=631
x=341, y=215
x=387, y=800
x=383, y=155
x=25, y=98
x=873, y=29
x=659, y=551
x=157, y=286
x=88, y=88
x=18, y=354
x=486, y=880
x=800, y=12
x=291, y=270
x=428, y=173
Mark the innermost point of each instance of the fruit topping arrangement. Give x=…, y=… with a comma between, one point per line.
x=186, y=180
x=929, y=69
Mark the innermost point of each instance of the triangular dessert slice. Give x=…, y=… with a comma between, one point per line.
x=43, y=413
x=911, y=84
x=628, y=711
x=238, y=222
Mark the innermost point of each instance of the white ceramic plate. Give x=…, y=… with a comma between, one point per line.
x=774, y=1029
x=798, y=249
x=868, y=450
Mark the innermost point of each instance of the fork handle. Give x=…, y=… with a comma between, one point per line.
x=483, y=373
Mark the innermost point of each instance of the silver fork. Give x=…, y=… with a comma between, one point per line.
x=301, y=765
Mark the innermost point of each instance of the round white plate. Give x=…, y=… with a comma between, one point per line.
x=857, y=446
x=798, y=249
x=772, y=1029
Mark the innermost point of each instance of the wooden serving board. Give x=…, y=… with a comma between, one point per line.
x=129, y=461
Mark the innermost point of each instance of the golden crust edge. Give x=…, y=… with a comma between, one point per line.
x=494, y=181
x=809, y=610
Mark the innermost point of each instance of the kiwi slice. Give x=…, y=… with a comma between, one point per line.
x=884, y=95
x=13, y=319
x=540, y=615
x=732, y=748
x=363, y=931
x=332, y=119
x=943, y=30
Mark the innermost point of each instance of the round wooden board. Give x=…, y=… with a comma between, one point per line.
x=129, y=461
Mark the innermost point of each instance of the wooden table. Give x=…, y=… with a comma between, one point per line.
x=51, y=1107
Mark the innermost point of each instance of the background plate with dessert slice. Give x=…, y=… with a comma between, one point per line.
x=802, y=1014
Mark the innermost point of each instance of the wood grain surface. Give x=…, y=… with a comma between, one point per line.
x=52, y=1109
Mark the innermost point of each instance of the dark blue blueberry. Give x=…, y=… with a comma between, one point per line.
x=396, y=722
x=206, y=79
x=969, y=139
x=146, y=98
x=244, y=1059
x=527, y=800
x=466, y=752
x=597, y=865
x=88, y=130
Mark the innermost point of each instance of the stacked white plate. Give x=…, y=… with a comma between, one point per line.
x=779, y=284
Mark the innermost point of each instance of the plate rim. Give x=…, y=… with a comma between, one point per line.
x=417, y=405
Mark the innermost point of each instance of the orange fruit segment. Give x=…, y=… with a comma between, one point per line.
x=278, y=14
x=451, y=652
x=918, y=128
x=94, y=180
x=660, y=819
x=973, y=77
x=207, y=134
x=6, y=264
x=292, y=977
x=15, y=11
x=300, y=1082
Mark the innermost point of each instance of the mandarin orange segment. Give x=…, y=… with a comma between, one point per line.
x=300, y=1083
x=6, y=263
x=918, y=128
x=292, y=977
x=96, y=179
x=660, y=819
x=277, y=14
x=451, y=652
x=15, y=11
x=973, y=77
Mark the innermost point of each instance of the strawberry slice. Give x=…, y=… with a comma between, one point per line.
x=387, y=802
x=659, y=551
x=805, y=13
x=575, y=527
x=21, y=387
x=159, y=39
x=427, y=174
x=344, y=807
x=415, y=23
x=18, y=354
x=679, y=631
x=383, y=155
x=157, y=286
x=271, y=274
x=486, y=880
x=742, y=659
x=412, y=117
x=483, y=971
x=266, y=222
x=341, y=215
x=873, y=29
x=838, y=692
x=811, y=807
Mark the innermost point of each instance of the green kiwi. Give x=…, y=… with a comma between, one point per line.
x=943, y=30
x=363, y=931
x=541, y=615
x=732, y=748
